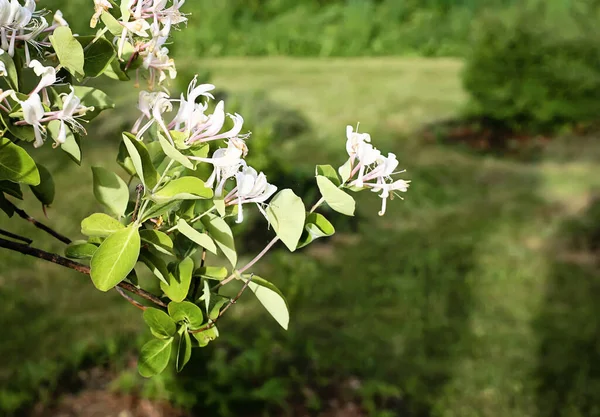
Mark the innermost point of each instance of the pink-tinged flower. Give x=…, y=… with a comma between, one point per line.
x=48, y=75
x=71, y=109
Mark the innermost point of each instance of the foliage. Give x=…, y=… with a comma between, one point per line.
x=524, y=74
x=186, y=189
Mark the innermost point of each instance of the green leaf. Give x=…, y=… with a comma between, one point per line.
x=115, y=258
x=158, y=210
x=184, y=351
x=187, y=313
x=100, y=224
x=329, y=172
x=216, y=310
x=206, y=296
x=345, y=171
x=179, y=281
x=112, y=24
x=272, y=299
x=110, y=190
x=205, y=337
x=12, y=189
x=173, y=153
x=156, y=265
x=337, y=199
x=12, y=75
x=92, y=97
x=71, y=145
x=98, y=55
x=141, y=161
x=195, y=236
x=45, y=190
x=154, y=357
x=220, y=205
x=212, y=272
x=316, y=226
x=115, y=72
x=220, y=231
x=80, y=249
x=16, y=165
x=69, y=51
x=286, y=213
x=185, y=188
x=158, y=240
x=161, y=325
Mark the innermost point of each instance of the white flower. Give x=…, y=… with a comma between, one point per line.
x=387, y=191
x=152, y=105
x=71, y=109
x=59, y=19
x=251, y=188
x=48, y=75
x=227, y=162
x=33, y=112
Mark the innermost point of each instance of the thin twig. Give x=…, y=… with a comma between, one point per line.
x=16, y=237
x=39, y=225
x=231, y=302
x=67, y=263
x=139, y=189
x=131, y=300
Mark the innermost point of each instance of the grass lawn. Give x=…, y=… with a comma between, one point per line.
x=454, y=299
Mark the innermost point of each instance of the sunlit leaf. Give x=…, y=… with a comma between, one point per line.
x=141, y=161
x=69, y=51
x=154, y=357
x=179, y=281
x=197, y=237
x=184, y=351
x=220, y=231
x=115, y=258
x=80, y=249
x=272, y=300
x=110, y=190
x=186, y=312
x=16, y=165
x=316, y=226
x=185, y=188
x=161, y=325
x=100, y=224
x=158, y=240
x=337, y=199
x=286, y=214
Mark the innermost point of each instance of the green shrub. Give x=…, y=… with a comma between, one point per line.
x=524, y=74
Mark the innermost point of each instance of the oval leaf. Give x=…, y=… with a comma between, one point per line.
x=173, y=153
x=187, y=313
x=185, y=188
x=179, y=281
x=80, y=250
x=115, y=258
x=154, y=357
x=69, y=51
x=45, y=190
x=141, y=161
x=316, y=226
x=160, y=323
x=16, y=165
x=12, y=75
x=337, y=199
x=156, y=265
x=100, y=224
x=195, y=236
x=272, y=299
x=97, y=55
x=184, y=351
x=110, y=190
x=158, y=240
x=286, y=213
x=220, y=231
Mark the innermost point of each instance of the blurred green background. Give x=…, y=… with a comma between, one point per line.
x=476, y=296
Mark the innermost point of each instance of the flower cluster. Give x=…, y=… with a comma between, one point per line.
x=370, y=169
x=196, y=127
x=35, y=110
x=22, y=23
x=146, y=26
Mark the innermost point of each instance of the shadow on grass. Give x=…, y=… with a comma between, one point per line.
x=568, y=326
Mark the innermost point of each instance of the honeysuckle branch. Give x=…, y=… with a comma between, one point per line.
x=67, y=263
x=231, y=302
x=16, y=237
x=139, y=190
x=39, y=225
x=130, y=300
